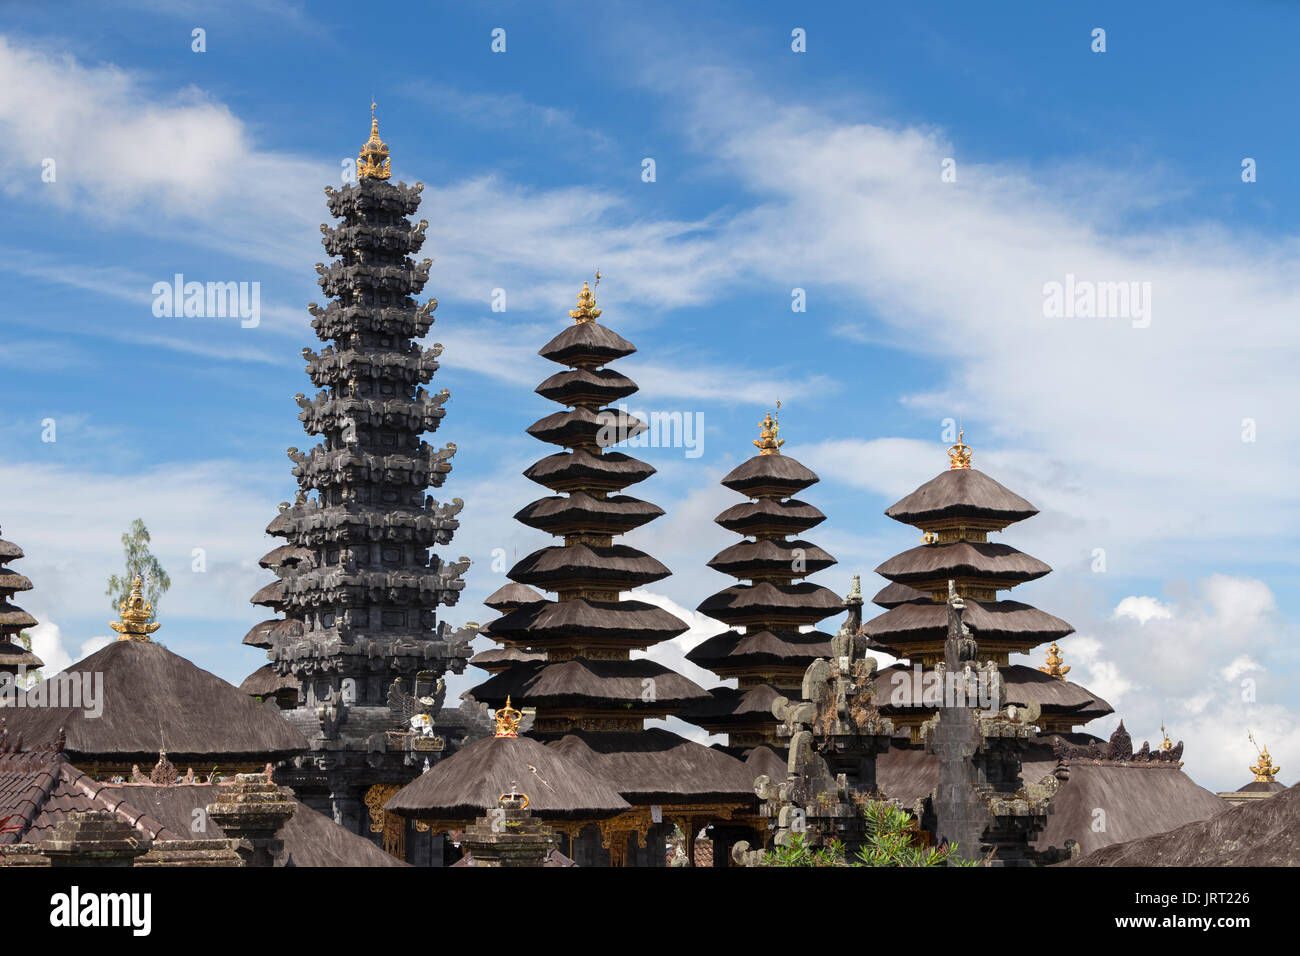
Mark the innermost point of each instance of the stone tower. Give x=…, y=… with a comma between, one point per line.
x=358, y=587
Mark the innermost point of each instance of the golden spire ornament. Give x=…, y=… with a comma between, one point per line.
x=959, y=455
x=1166, y=744
x=586, y=310
x=1054, y=662
x=135, y=612
x=507, y=719
x=768, y=441
x=373, y=161
x=1263, y=770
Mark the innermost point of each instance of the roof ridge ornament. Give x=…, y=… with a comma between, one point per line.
x=508, y=719
x=768, y=441
x=373, y=161
x=1264, y=770
x=135, y=612
x=959, y=455
x=1054, y=661
x=586, y=310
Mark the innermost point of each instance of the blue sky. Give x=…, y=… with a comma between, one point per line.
x=775, y=170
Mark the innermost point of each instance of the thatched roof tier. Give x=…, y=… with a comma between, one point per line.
x=768, y=516
x=272, y=596
x=892, y=595
x=659, y=767
x=154, y=699
x=765, y=603
x=587, y=386
x=287, y=554
x=267, y=633
x=265, y=682
x=733, y=650
x=631, y=624
x=1062, y=701
x=580, y=469
x=768, y=558
x=962, y=493
x=618, y=686
x=925, y=622
x=582, y=427
x=582, y=513
x=733, y=706
x=586, y=345
x=14, y=656
x=1254, y=833
x=585, y=565
x=512, y=596
x=766, y=759
x=769, y=476
x=9, y=551
x=13, y=619
x=467, y=784
x=1261, y=786
x=930, y=566
x=11, y=581
x=498, y=659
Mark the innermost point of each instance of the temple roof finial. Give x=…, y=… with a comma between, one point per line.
x=1264, y=770
x=959, y=455
x=373, y=161
x=1055, y=660
x=507, y=719
x=586, y=310
x=1165, y=744
x=768, y=441
x=135, y=612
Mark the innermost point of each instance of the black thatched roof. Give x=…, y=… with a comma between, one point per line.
x=582, y=426
x=468, y=783
x=765, y=602
x=770, y=516
x=15, y=655
x=896, y=687
x=587, y=386
x=582, y=682
x=612, y=565
x=892, y=595
x=963, y=559
x=926, y=622
x=732, y=649
x=767, y=759
x=769, y=475
x=733, y=705
x=581, y=512
x=581, y=469
x=1256, y=833
x=287, y=555
x=154, y=699
x=266, y=633
x=635, y=623
x=961, y=493
x=512, y=596
x=768, y=557
x=264, y=682
x=586, y=343
x=499, y=658
x=659, y=767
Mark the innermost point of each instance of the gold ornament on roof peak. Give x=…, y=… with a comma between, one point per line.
x=135, y=612
x=1263, y=770
x=373, y=161
x=1166, y=744
x=768, y=441
x=1055, y=661
x=959, y=455
x=586, y=310
x=507, y=719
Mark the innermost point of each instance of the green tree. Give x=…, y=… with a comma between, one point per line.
x=892, y=840
x=135, y=543
x=33, y=676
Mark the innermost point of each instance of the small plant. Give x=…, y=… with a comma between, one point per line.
x=892, y=839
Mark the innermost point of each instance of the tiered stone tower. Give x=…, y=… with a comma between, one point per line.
x=13, y=619
x=765, y=651
x=357, y=585
x=956, y=512
x=590, y=696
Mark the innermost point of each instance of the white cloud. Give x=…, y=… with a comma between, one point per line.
x=48, y=644
x=1142, y=609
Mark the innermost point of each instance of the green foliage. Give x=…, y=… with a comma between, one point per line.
x=34, y=675
x=892, y=840
x=135, y=544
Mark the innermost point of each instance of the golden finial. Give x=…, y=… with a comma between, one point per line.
x=135, y=611
x=960, y=454
x=1165, y=744
x=1263, y=770
x=586, y=310
x=1054, y=662
x=768, y=442
x=507, y=719
x=373, y=161
x=929, y=538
